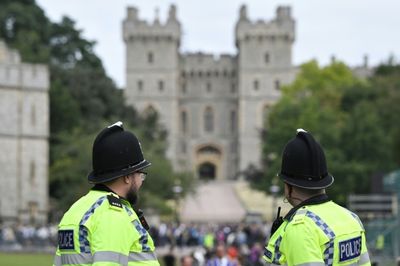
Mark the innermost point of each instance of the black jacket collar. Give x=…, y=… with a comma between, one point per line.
x=322, y=198
x=102, y=187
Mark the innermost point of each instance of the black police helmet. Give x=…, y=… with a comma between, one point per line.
x=304, y=164
x=116, y=153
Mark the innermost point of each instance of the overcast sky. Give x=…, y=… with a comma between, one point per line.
x=348, y=29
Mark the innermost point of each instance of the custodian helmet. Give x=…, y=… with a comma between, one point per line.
x=116, y=153
x=304, y=164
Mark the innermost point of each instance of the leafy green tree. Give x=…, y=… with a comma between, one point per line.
x=24, y=26
x=343, y=114
x=83, y=99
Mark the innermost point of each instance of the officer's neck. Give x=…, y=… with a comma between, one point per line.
x=116, y=186
x=317, y=199
x=297, y=197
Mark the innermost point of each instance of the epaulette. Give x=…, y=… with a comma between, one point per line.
x=115, y=203
x=299, y=217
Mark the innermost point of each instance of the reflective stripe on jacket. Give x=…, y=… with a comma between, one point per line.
x=95, y=232
x=317, y=235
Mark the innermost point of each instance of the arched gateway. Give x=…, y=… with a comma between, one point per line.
x=208, y=162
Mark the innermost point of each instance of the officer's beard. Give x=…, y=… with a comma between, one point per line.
x=132, y=196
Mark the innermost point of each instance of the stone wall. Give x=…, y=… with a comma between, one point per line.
x=24, y=116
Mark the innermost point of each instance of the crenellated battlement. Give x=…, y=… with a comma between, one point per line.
x=13, y=73
x=8, y=55
x=207, y=61
x=279, y=28
x=208, y=65
x=136, y=29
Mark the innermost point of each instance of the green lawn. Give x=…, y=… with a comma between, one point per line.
x=23, y=259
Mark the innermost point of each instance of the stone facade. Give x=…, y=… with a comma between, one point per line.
x=24, y=131
x=213, y=107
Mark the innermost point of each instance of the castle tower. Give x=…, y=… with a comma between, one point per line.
x=24, y=132
x=208, y=116
x=152, y=69
x=264, y=65
x=213, y=107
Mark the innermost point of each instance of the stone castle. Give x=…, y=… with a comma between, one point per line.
x=213, y=107
x=24, y=132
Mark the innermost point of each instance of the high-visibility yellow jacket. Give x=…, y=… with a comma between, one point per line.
x=317, y=235
x=101, y=229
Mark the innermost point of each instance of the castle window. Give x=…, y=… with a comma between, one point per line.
x=208, y=74
x=150, y=113
x=184, y=121
x=160, y=85
x=256, y=85
x=266, y=58
x=233, y=121
x=234, y=147
x=216, y=73
x=183, y=87
x=225, y=73
x=208, y=86
x=200, y=74
x=277, y=85
x=140, y=85
x=32, y=173
x=150, y=57
x=208, y=120
x=34, y=71
x=265, y=114
x=33, y=115
x=233, y=88
x=183, y=147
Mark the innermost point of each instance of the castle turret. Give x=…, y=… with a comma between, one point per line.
x=24, y=132
x=264, y=65
x=152, y=59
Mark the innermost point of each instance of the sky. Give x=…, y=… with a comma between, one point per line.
x=345, y=29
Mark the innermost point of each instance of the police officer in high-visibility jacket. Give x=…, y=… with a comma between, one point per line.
x=102, y=228
x=316, y=231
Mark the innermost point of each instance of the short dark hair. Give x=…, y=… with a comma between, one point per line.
x=309, y=192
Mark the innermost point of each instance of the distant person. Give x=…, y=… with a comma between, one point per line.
x=102, y=228
x=169, y=258
x=187, y=260
x=220, y=258
x=316, y=231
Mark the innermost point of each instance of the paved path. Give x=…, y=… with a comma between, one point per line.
x=214, y=201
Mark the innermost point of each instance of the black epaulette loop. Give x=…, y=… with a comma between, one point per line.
x=115, y=203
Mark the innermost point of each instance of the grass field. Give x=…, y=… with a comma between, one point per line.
x=23, y=259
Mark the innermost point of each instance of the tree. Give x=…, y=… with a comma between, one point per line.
x=83, y=99
x=343, y=114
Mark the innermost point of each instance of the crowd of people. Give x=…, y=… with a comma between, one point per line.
x=25, y=236
x=212, y=245
x=183, y=244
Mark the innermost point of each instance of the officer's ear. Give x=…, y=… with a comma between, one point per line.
x=126, y=179
x=289, y=189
